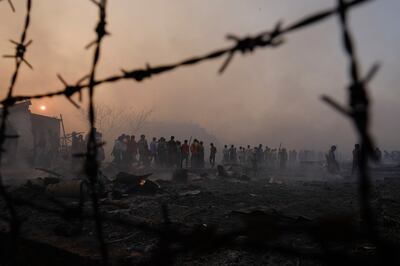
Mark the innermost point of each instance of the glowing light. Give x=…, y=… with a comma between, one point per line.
x=42, y=107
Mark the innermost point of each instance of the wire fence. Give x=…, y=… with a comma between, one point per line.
x=172, y=239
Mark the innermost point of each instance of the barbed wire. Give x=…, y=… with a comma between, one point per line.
x=201, y=237
x=358, y=110
x=19, y=57
x=92, y=165
x=269, y=38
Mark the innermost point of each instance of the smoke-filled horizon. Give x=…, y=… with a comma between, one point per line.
x=269, y=97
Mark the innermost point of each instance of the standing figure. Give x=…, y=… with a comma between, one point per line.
x=283, y=157
x=249, y=155
x=267, y=156
x=172, y=152
x=117, y=150
x=201, y=155
x=260, y=154
x=153, y=150
x=143, y=148
x=213, y=152
x=162, y=152
x=132, y=148
x=185, y=153
x=125, y=155
x=232, y=154
x=225, y=153
x=333, y=165
x=254, y=161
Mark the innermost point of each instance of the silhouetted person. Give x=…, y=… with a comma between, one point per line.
x=153, y=150
x=126, y=157
x=185, y=153
x=267, y=156
x=260, y=154
x=172, y=152
x=143, y=148
x=118, y=150
x=333, y=165
x=253, y=160
x=162, y=152
x=213, y=152
x=283, y=157
x=132, y=148
x=232, y=154
x=201, y=155
x=225, y=154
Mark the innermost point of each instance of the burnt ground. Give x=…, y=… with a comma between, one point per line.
x=211, y=204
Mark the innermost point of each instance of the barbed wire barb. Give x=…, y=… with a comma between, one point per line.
x=20, y=49
x=11, y=5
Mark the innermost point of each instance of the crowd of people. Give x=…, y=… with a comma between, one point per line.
x=79, y=145
x=172, y=153
x=258, y=156
x=333, y=164
x=161, y=152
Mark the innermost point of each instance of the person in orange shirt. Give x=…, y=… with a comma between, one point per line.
x=185, y=153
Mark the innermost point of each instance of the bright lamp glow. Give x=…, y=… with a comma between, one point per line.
x=42, y=107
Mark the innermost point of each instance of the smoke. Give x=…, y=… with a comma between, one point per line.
x=269, y=97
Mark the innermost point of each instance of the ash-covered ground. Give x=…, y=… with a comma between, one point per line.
x=209, y=205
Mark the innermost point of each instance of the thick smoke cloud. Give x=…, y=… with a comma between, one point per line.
x=269, y=97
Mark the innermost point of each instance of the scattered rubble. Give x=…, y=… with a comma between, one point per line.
x=255, y=202
x=41, y=183
x=125, y=183
x=233, y=172
x=76, y=189
x=190, y=193
x=273, y=181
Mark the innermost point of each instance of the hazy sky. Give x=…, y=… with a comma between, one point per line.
x=269, y=97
